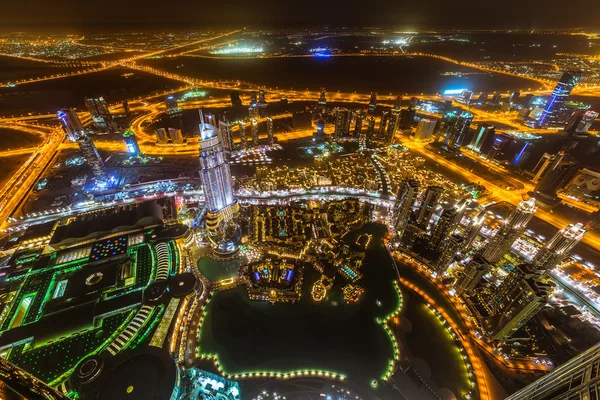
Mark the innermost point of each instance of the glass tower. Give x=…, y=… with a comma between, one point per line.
x=550, y=115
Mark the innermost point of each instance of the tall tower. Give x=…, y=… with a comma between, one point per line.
x=91, y=155
x=254, y=131
x=101, y=116
x=473, y=230
x=243, y=137
x=449, y=250
x=481, y=136
x=407, y=116
x=221, y=205
x=472, y=275
x=510, y=231
x=555, y=105
x=370, y=130
x=70, y=122
x=405, y=199
x=430, y=200
x=457, y=131
x=502, y=295
x=392, y=127
x=558, y=248
x=519, y=305
x=373, y=102
x=270, y=137
x=445, y=226
x=225, y=135
x=342, y=123
x=560, y=172
x=322, y=97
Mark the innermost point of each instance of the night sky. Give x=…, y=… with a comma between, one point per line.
x=415, y=14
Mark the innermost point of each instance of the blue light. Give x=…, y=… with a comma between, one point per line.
x=521, y=153
x=454, y=91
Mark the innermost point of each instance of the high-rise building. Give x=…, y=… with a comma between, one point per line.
x=91, y=155
x=262, y=101
x=319, y=134
x=172, y=105
x=131, y=143
x=457, y=129
x=573, y=123
x=243, y=134
x=358, y=119
x=578, y=378
x=431, y=199
x=70, y=122
x=373, y=102
x=221, y=205
x=472, y=230
x=176, y=136
x=471, y=275
x=425, y=129
x=370, y=130
x=392, y=126
x=514, y=97
x=500, y=296
x=521, y=303
x=588, y=119
x=405, y=200
x=485, y=134
x=342, y=123
x=98, y=109
x=555, y=105
x=448, y=252
x=225, y=135
x=496, y=98
x=445, y=226
x=383, y=123
x=510, y=230
x=558, y=248
x=322, y=97
x=560, y=172
x=254, y=131
x=397, y=104
x=161, y=136
x=407, y=116
x=543, y=165
x=236, y=101
x=270, y=137
x=126, y=108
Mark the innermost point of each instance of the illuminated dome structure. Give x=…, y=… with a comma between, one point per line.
x=222, y=207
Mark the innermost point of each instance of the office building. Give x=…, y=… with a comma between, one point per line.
x=501, y=295
x=270, y=136
x=559, y=247
x=431, y=199
x=496, y=98
x=370, y=130
x=358, y=120
x=172, y=105
x=262, y=100
x=70, y=123
x=373, y=102
x=254, y=131
x=425, y=129
x=98, y=109
x=322, y=97
x=131, y=143
x=543, y=165
x=215, y=175
x=457, y=128
x=412, y=232
x=176, y=136
x=510, y=230
x=319, y=134
x=243, y=134
x=392, y=126
x=577, y=379
x=405, y=200
x=225, y=135
x=407, y=116
x=446, y=225
x=573, y=123
x=397, y=104
x=472, y=231
x=521, y=303
x=560, y=172
x=91, y=155
x=449, y=250
x=484, y=134
x=342, y=123
x=126, y=108
x=514, y=97
x=472, y=274
x=586, y=123
x=236, y=101
x=161, y=136
x=556, y=103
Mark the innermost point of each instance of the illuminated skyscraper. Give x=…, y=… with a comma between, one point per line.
x=342, y=123
x=358, y=119
x=397, y=104
x=425, y=129
x=501, y=295
x=172, y=105
x=91, y=155
x=373, y=102
x=578, y=378
x=521, y=303
x=370, y=130
x=509, y=231
x=471, y=275
x=431, y=199
x=560, y=172
x=392, y=127
x=225, y=135
x=254, y=131
x=473, y=230
x=457, y=129
x=218, y=191
x=322, y=97
x=555, y=105
x=103, y=120
x=485, y=134
x=446, y=225
x=385, y=117
x=236, y=101
x=70, y=122
x=131, y=143
x=588, y=119
x=448, y=252
x=262, y=101
x=405, y=200
x=558, y=248
x=270, y=137
x=407, y=116
x=243, y=136
x=161, y=136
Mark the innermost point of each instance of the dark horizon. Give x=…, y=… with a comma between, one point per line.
x=67, y=15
